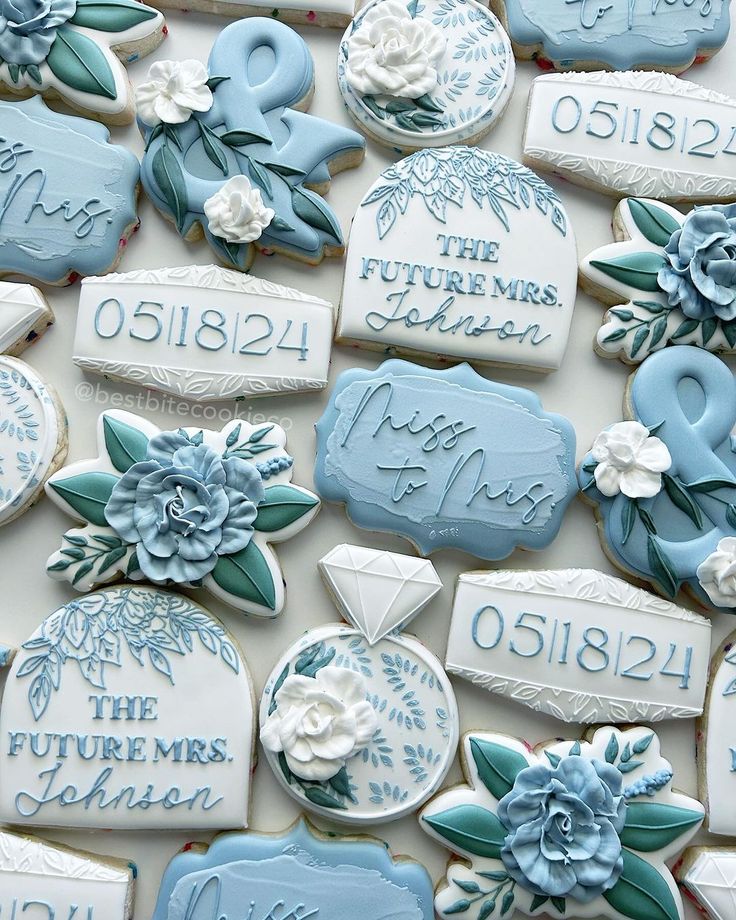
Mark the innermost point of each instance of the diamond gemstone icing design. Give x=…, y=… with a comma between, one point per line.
x=376, y=590
x=711, y=880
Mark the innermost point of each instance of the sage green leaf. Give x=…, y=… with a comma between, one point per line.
x=282, y=506
x=497, y=766
x=654, y=223
x=428, y=104
x=111, y=15
x=639, y=339
x=170, y=180
x=729, y=330
x=708, y=329
x=315, y=212
x=471, y=828
x=685, y=328
x=628, y=519
x=319, y=797
x=652, y=826
x=636, y=269
x=125, y=445
x=246, y=575
x=76, y=60
x=680, y=498
x=211, y=144
x=242, y=138
x=661, y=567
x=87, y=494
x=642, y=892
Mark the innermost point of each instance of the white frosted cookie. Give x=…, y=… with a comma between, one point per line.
x=707, y=876
x=425, y=74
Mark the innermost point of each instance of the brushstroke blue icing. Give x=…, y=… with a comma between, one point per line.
x=446, y=459
x=67, y=196
x=309, y=876
x=621, y=33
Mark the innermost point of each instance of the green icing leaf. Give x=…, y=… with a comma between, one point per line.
x=211, y=144
x=170, y=180
x=426, y=102
x=685, y=328
x=558, y=904
x=246, y=574
x=612, y=749
x=281, y=507
x=680, y=498
x=729, y=330
x=537, y=901
x=77, y=61
x=242, y=138
x=651, y=826
x=661, y=566
x=87, y=493
x=319, y=797
x=471, y=828
x=497, y=766
x=642, y=892
x=314, y=211
x=708, y=329
x=125, y=445
x=111, y=15
x=628, y=519
x=654, y=223
x=637, y=269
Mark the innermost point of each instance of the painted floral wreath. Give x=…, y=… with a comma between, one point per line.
x=188, y=507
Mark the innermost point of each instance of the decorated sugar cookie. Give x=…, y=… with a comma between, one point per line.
x=76, y=49
x=69, y=195
x=438, y=262
x=107, y=724
x=663, y=482
x=671, y=277
x=231, y=155
x=635, y=34
x=188, y=507
x=33, y=427
x=298, y=874
x=425, y=74
x=707, y=876
x=635, y=133
x=568, y=829
x=389, y=721
x=53, y=881
x=445, y=458
x=579, y=645
x=330, y=13
x=203, y=332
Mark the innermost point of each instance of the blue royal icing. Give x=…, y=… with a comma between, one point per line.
x=620, y=34
x=67, y=196
x=267, y=69
x=686, y=397
x=295, y=876
x=446, y=459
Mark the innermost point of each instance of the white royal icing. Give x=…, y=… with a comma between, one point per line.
x=711, y=881
x=203, y=332
x=717, y=573
x=579, y=645
x=236, y=212
x=173, y=90
x=24, y=314
x=107, y=724
x=634, y=133
x=36, y=876
x=438, y=262
x=630, y=460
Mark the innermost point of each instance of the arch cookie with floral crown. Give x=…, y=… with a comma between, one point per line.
x=62, y=882
x=671, y=279
x=388, y=717
x=231, y=156
x=188, y=507
x=626, y=35
x=425, y=74
x=33, y=426
x=569, y=829
x=663, y=483
x=75, y=50
x=106, y=723
x=438, y=262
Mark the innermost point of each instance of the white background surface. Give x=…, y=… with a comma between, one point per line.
x=587, y=389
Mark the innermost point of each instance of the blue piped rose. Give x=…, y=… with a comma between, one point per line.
x=28, y=28
x=563, y=828
x=183, y=507
x=700, y=271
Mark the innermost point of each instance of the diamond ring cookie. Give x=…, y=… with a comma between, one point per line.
x=671, y=279
x=570, y=829
x=389, y=717
x=663, y=482
x=189, y=507
x=438, y=262
x=425, y=74
x=107, y=723
x=707, y=876
x=33, y=426
x=232, y=155
x=636, y=34
x=300, y=871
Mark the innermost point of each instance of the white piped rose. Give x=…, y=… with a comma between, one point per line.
x=173, y=91
x=717, y=574
x=630, y=461
x=393, y=54
x=236, y=213
x=320, y=722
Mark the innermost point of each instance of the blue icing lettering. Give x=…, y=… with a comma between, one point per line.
x=620, y=33
x=445, y=458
